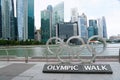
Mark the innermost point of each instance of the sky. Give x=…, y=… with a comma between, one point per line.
x=94, y=9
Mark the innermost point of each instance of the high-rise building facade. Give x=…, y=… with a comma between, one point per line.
x=50, y=9
x=92, y=29
x=12, y=22
x=104, y=28
x=45, y=25
x=74, y=15
x=100, y=27
x=66, y=30
x=25, y=19
x=22, y=19
x=8, y=31
x=58, y=16
x=0, y=20
x=82, y=26
x=16, y=28
x=5, y=20
x=30, y=16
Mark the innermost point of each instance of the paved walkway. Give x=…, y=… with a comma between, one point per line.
x=35, y=73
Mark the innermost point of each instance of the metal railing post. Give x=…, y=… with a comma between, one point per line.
x=93, y=54
x=119, y=55
x=8, y=59
x=26, y=57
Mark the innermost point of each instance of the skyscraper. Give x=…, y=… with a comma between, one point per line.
x=58, y=16
x=0, y=20
x=50, y=10
x=45, y=25
x=104, y=28
x=74, y=15
x=30, y=19
x=82, y=26
x=100, y=27
x=22, y=19
x=25, y=19
x=92, y=29
x=12, y=22
x=8, y=31
x=16, y=28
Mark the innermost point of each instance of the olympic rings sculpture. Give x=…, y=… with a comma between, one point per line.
x=92, y=44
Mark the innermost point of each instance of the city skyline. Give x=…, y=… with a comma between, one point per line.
x=93, y=10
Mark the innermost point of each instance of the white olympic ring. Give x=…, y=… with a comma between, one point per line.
x=54, y=38
x=89, y=47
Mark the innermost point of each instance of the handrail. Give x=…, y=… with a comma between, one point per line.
x=7, y=55
x=119, y=55
x=26, y=55
x=13, y=48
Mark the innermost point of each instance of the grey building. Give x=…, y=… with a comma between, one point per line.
x=66, y=30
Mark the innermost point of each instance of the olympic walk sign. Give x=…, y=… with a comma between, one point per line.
x=78, y=68
x=67, y=66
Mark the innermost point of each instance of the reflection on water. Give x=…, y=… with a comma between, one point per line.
x=36, y=51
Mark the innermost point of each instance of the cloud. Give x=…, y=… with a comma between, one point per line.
x=113, y=23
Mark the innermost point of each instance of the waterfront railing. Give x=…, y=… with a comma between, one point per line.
x=28, y=54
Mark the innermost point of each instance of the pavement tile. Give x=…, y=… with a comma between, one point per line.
x=35, y=73
x=6, y=77
x=22, y=78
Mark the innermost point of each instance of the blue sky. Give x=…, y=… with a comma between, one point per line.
x=92, y=8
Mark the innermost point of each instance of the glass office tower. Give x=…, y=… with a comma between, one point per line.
x=50, y=9
x=100, y=27
x=12, y=22
x=0, y=20
x=25, y=19
x=8, y=31
x=22, y=19
x=45, y=25
x=74, y=15
x=92, y=29
x=30, y=19
x=58, y=16
x=104, y=27
x=82, y=26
